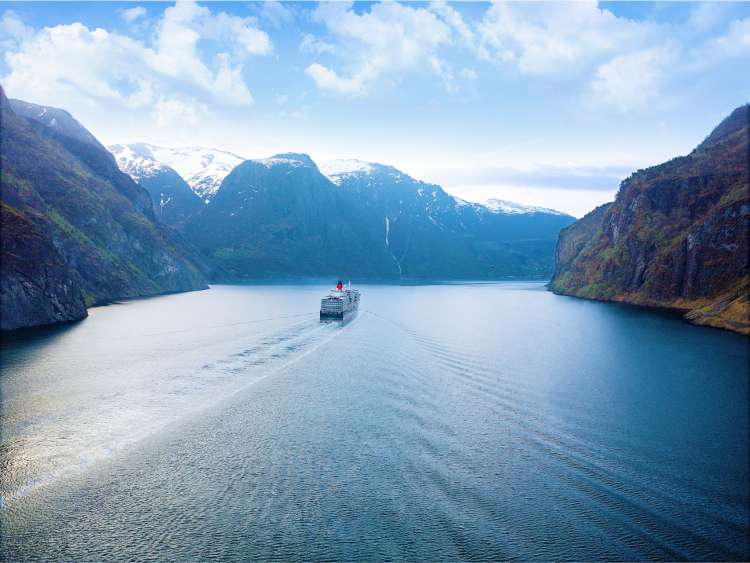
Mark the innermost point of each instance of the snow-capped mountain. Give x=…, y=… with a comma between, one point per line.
x=504, y=206
x=135, y=164
x=285, y=215
x=173, y=199
x=290, y=159
x=204, y=169
x=369, y=218
x=280, y=216
x=341, y=171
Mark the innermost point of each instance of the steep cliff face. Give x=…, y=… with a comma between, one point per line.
x=676, y=236
x=575, y=237
x=91, y=229
x=36, y=283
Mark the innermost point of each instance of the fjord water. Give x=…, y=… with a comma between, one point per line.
x=474, y=421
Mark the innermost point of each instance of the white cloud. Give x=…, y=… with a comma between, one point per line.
x=444, y=70
x=174, y=112
x=241, y=33
x=315, y=45
x=388, y=39
x=276, y=14
x=132, y=14
x=535, y=38
x=709, y=15
x=469, y=74
x=297, y=110
x=735, y=42
x=551, y=38
x=76, y=67
x=71, y=60
x=327, y=79
x=454, y=19
x=634, y=80
x=13, y=31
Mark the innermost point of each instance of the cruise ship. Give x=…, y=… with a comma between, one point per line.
x=340, y=303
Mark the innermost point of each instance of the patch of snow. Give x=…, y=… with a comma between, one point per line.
x=276, y=161
x=502, y=206
x=337, y=170
x=345, y=166
x=203, y=169
x=135, y=165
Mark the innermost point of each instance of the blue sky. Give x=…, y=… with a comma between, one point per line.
x=547, y=103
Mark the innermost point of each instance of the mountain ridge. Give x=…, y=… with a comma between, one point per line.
x=368, y=219
x=91, y=229
x=676, y=235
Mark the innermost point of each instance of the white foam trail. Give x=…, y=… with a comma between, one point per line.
x=90, y=458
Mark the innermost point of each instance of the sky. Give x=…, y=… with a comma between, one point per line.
x=548, y=104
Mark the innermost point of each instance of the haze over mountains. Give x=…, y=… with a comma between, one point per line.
x=282, y=216
x=285, y=216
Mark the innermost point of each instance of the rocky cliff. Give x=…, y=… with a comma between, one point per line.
x=90, y=229
x=36, y=283
x=676, y=235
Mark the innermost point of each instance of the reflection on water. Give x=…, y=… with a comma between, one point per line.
x=481, y=421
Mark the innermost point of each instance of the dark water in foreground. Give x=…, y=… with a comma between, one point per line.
x=445, y=422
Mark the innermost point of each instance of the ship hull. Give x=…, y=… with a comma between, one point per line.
x=342, y=316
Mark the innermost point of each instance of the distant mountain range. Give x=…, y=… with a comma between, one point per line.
x=75, y=230
x=201, y=168
x=285, y=216
x=676, y=235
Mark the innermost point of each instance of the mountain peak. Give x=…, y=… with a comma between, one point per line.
x=735, y=121
x=56, y=119
x=292, y=159
x=202, y=168
x=338, y=170
x=298, y=156
x=136, y=162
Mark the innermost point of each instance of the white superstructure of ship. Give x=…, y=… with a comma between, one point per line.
x=340, y=303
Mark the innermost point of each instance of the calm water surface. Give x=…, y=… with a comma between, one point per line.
x=487, y=421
